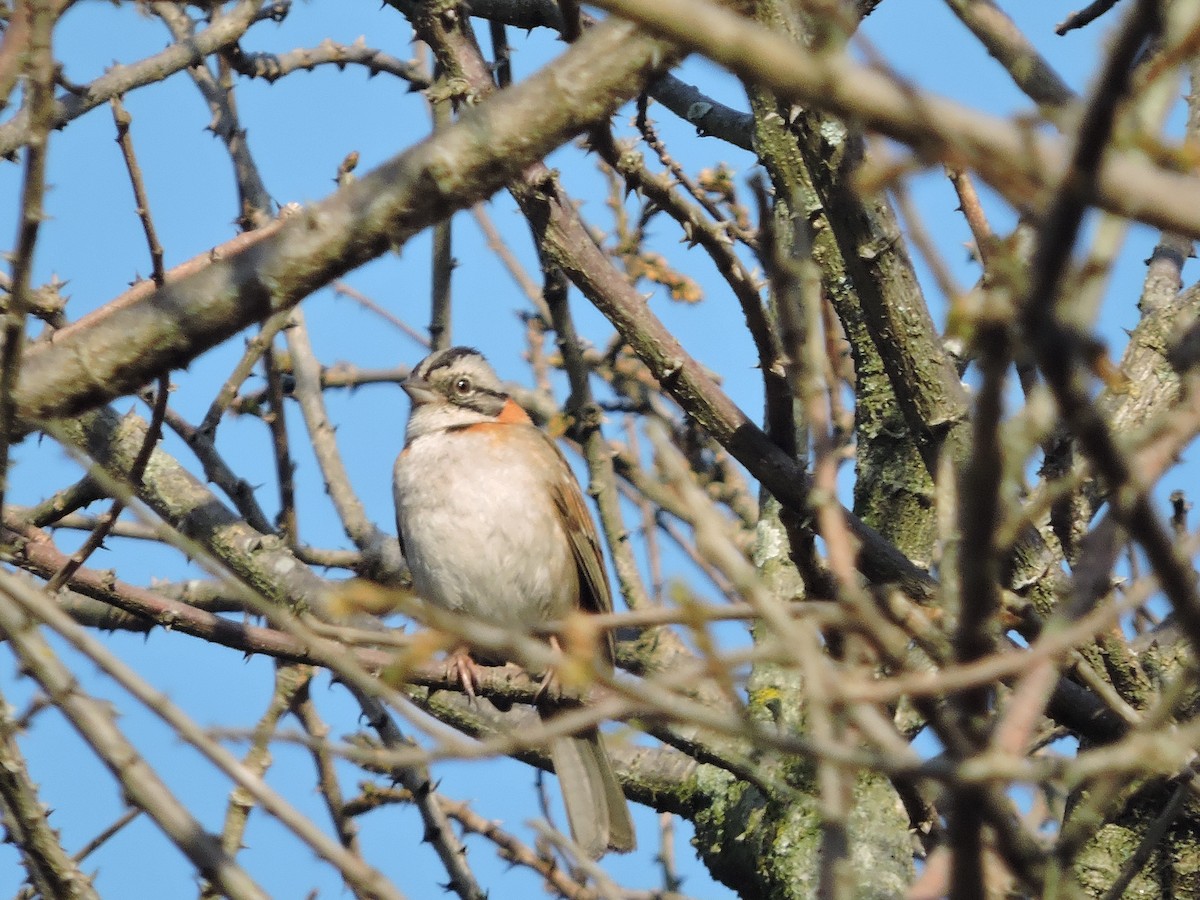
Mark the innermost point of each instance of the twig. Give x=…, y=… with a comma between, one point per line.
x=273, y=66
x=416, y=779
x=122, y=120
x=501, y=55
x=289, y=527
x=649, y=528
x=672, y=882
x=1020, y=58
x=650, y=136
x=289, y=682
x=255, y=348
x=972, y=210
x=46, y=302
x=327, y=779
x=359, y=528
x=107, y=834
x=498, y=246
x=51, y=871
x=979, y=574
x=158, y=406
x=1085, y=16
x=255, y=202
x=121, y=80
x=341, y=287
x=136, y=471
x=1180, y=507
x=442, y=260
x=216, y=470
x=39, y=69
x=508, y=846
x=83, y=522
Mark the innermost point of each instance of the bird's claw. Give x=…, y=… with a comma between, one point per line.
x=463, y=668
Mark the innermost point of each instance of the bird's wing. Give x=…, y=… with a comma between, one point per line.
x=594, y=594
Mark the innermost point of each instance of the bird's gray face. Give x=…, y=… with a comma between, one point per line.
x=452, y=388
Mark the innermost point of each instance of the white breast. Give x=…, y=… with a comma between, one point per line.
x=481, y=535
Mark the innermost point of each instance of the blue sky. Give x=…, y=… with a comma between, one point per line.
x=299, y=130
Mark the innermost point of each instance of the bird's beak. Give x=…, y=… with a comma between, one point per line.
x=418, y=390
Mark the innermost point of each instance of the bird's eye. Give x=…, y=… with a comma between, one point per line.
x=462, y=386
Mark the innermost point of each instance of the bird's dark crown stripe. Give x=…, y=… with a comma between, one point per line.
x=449, y=357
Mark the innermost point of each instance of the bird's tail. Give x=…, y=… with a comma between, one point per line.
x=597, y=811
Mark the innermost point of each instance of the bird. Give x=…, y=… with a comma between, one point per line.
x=492, y=524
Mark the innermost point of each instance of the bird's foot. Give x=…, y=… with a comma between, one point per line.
x=550, y=683
x=459, y=665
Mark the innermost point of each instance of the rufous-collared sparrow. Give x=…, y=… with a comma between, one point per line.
x=493, y=524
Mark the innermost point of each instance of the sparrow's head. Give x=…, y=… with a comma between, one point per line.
x=455, y=388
